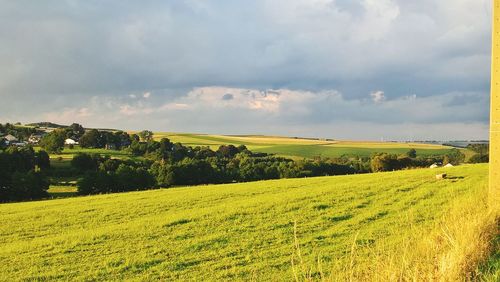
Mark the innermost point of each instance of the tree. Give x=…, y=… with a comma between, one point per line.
x=54, y=141
x=3, y=144
x=30, y=186
x=412, y=153
x=478, y=158
x=96, y=183
x=122, y=139
x=85, y=162
x=454, y=157
x=384, y=162
x=91, y=139
x=227, y=151
x=75, y=131
x=146, y=135
x=481, y=153
x=42, y=160
x=18, y=180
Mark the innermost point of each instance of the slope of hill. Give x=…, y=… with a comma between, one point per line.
x=269, y=230
x=304, y=147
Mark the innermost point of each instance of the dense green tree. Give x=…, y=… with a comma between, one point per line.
x=85, y=162
x=28, y=186
x=454, y=157
x=479, y=158
x=75, y=131
x=92, y=139
x=18, y=180
x=481, y=153
x=42, y=160
x=96, y=182
x=227, y=151
x=3, y=144
x=383, y=162
x=54, y=141
x=412, y=153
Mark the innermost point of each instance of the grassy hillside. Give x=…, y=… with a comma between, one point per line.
x=264, y=230
x=303, y=148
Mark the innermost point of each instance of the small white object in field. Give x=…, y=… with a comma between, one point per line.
x=441, y=176
x=449, y=165
x=434, y=166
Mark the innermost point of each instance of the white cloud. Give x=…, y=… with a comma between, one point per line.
x=286, y=111
x=146, y=95
x=378, y=96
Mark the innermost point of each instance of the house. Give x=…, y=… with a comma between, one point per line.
x=70, y=141
x=10, y=139
x=434, y=166
x=35, y=138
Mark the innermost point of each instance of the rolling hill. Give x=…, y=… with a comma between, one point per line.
x=304, y=147
x=344, y=227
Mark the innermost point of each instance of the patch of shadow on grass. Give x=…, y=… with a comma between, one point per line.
x=404, y=189
x=365, y=242
x=183, y=265
x=236, y=216
x=178, y=222
x=284, y=225
x=341, y=217
x=139, y=267
x=116, y=263
x=216, y=243
x=183, y=237
x=45, y=278
x=321, y=207
x=377, y=216
x=363, y=205
x=88, y=210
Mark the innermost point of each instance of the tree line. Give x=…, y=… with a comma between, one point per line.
x=23, y=174
x=167, y=164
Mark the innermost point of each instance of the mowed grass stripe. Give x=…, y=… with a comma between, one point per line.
x=235, y=231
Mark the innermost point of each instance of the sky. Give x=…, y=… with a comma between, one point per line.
x=343, y=69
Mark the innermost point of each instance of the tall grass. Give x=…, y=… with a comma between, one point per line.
x=453, y=249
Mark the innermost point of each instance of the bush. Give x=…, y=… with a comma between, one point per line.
x=126, y=178
x=85, y=162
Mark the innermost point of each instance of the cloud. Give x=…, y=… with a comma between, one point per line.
x=276, y=111
x=378, y=96
x=227, y=97
x=320, y=57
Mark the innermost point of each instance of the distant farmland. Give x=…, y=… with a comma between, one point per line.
x=304, y=148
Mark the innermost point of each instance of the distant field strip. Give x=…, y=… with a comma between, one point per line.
x=304, y=148
x=337, y=151
x=233, y=232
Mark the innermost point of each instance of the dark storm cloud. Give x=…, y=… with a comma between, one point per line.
x=60, y=54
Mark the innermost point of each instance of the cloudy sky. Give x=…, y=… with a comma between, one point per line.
x=349, y=69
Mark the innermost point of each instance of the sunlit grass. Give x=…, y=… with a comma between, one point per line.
x=236, y=231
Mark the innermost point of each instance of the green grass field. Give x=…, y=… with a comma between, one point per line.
x=325, y=226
